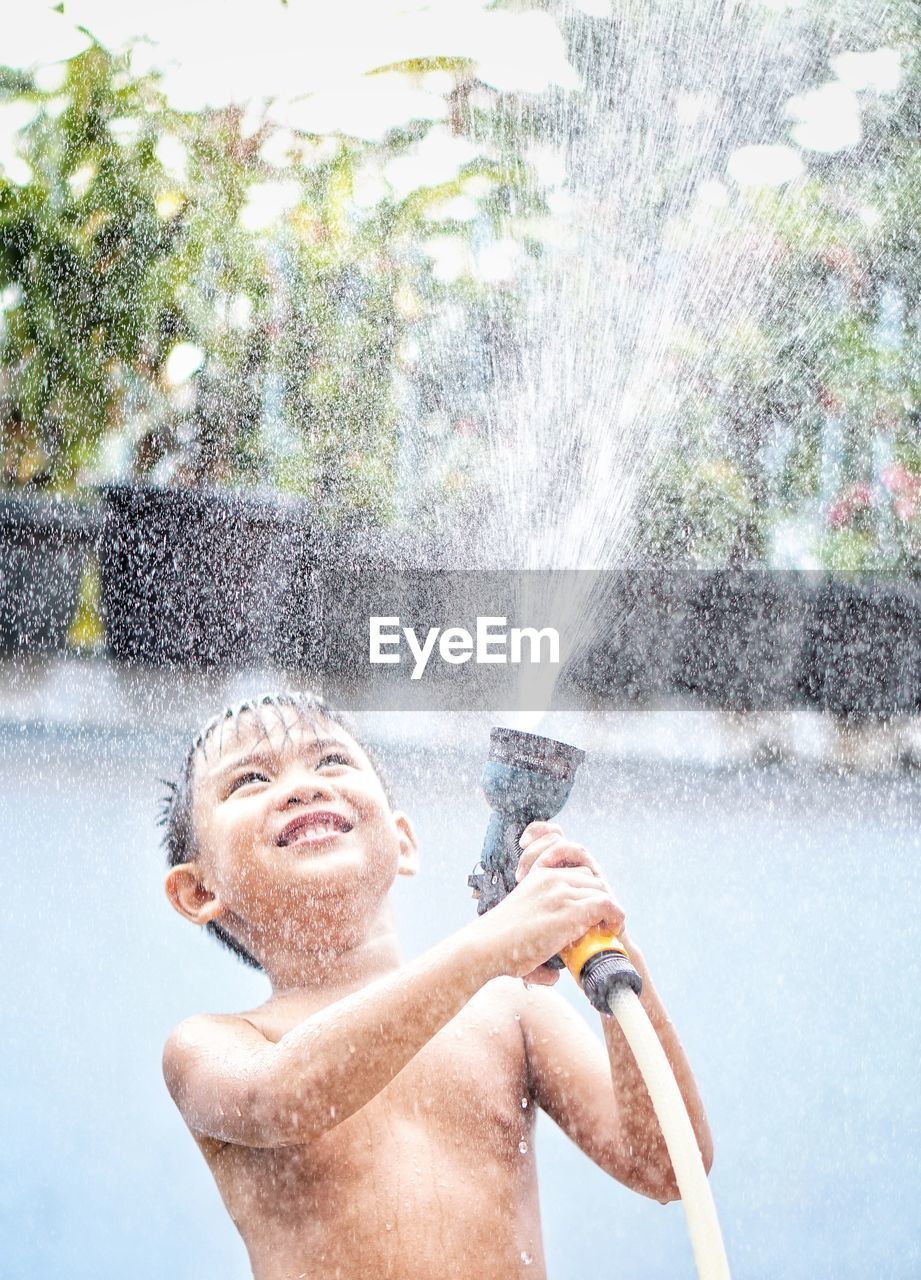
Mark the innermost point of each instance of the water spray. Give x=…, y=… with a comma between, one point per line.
x=528, y=778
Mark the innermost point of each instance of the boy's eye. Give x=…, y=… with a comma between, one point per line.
x=253, y=775
x=333, y=757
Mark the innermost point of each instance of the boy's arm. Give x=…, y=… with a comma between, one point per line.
x=600, y=1100
x=232, y=1084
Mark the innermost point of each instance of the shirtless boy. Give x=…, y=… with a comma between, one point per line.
x=376, y=1118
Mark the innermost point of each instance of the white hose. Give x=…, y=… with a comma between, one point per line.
x=699, y=1209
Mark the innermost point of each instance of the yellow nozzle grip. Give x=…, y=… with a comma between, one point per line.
x=597, y=939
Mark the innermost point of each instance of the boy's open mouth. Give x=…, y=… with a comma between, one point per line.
x=310, y=828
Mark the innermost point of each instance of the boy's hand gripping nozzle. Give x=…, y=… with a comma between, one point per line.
x=526, y=779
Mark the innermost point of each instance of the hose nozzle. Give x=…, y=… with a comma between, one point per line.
x=528, y=778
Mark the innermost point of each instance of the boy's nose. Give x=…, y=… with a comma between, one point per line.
x=304, y=789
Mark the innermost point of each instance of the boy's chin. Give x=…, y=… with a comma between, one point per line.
x=338, y=873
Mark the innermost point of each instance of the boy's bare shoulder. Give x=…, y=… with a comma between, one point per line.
x=200, y=1027
x=504, y=992
x=200, y=1037
x=499, y=1004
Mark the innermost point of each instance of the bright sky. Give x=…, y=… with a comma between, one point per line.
x=309, y=59
x=288, y=51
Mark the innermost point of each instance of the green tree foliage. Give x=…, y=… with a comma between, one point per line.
x=157, y=325
x=802, y=422
x=80, y=248
x=154, y=324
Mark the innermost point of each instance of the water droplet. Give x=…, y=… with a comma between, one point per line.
x=524, y=1103
x=523, y=1147
x=526, y=1258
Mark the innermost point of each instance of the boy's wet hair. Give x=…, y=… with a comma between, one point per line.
x=265, y=711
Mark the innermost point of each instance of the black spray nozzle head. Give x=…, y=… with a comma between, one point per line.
x=531, y=751
x=527, y=776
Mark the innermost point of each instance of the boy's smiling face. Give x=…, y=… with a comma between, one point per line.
x=296, y=841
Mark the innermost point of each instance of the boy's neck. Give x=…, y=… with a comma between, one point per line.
x=337, y=971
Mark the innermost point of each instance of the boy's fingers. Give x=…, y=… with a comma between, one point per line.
x=533, y=851
x=534, y=830
x=552, y=851
x=615, y=920
x=614, y=917
x=551, y=840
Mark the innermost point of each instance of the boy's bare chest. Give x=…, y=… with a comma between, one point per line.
x=458, y=1110
x=474, y=1069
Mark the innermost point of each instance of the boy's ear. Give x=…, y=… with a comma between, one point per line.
x=409, y=848
x=189, y=896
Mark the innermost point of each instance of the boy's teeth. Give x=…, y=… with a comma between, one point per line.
x=315, y=832
x=312, y=831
